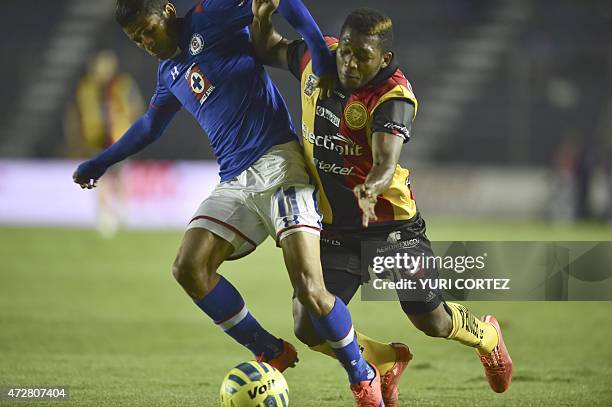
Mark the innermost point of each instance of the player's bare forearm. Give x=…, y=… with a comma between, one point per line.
x=379, y=179
x=270, y=46
x=386, y=149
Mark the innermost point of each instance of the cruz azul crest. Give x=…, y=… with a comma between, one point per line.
x=196, y=45
x=199, y=84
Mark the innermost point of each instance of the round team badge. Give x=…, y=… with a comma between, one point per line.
x=356, y=115
x=197, y=82
x=196, y=45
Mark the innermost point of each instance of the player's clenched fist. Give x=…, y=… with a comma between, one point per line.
x=264, y=8
x=87, y=175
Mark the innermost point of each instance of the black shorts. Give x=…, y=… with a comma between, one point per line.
x=341, y=259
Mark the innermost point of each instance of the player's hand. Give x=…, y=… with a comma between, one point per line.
x=87, y=175
x=327, y=84
x=367, y=203
x=263, y=9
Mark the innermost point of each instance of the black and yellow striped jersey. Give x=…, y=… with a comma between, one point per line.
x=337, y=138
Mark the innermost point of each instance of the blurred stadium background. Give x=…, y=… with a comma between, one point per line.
x=513, y=141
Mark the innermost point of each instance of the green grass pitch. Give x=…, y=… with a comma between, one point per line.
x=107, y=319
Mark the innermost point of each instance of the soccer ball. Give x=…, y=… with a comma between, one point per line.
x=254, y=384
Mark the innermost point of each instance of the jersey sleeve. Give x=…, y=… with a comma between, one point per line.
x=227, y=14
x=394, y=117
x=299, y=56
x=296, y=51
x=163, y=99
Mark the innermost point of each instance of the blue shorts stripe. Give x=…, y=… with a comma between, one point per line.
x=294, y=204
x=316, y=203
x=280, y=199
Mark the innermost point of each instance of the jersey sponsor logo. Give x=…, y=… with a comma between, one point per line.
x=398, y=128
x=329, y=115
x=332, y=168
x=337, y=142
x=311, y=85
x=396, y=237
x=199, y=84
x=356, y=115
x=196, y=45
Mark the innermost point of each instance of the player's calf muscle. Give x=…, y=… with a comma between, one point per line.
x=302, y=327
x=436, y=323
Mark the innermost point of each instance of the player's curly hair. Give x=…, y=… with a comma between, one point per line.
x=129, y=11
x=368, y=21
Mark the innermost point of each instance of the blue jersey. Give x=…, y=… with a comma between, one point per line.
x=218, y=80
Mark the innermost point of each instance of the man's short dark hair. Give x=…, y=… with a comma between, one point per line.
x=129, y=11
x=367, y=21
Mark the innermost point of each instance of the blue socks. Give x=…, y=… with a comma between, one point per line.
x=226, y=308
x=337, y=328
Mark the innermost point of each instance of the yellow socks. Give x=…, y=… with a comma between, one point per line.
x=470, y=330
x=467, y=329
x=381, y=355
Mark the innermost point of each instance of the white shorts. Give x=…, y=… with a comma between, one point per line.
x=273, y=197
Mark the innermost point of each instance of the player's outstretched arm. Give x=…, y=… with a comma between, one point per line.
x=386, y=149
x=148, y=128
x=270, y=46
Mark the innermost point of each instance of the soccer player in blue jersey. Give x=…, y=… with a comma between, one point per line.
x=207, y=66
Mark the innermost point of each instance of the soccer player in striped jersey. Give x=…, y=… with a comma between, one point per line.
x=352, y=143
x=207, y=66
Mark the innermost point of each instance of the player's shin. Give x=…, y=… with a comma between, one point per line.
x=225, y=306
x=381, y=355
x=337, y=329
x=471, y=331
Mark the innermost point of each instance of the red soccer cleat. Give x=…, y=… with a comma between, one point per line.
x=390, y=380
x=287, y=358
x=367, y=393
x=497, y=364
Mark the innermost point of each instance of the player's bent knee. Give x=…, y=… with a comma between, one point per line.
x=195, y=266
x=197, y=278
